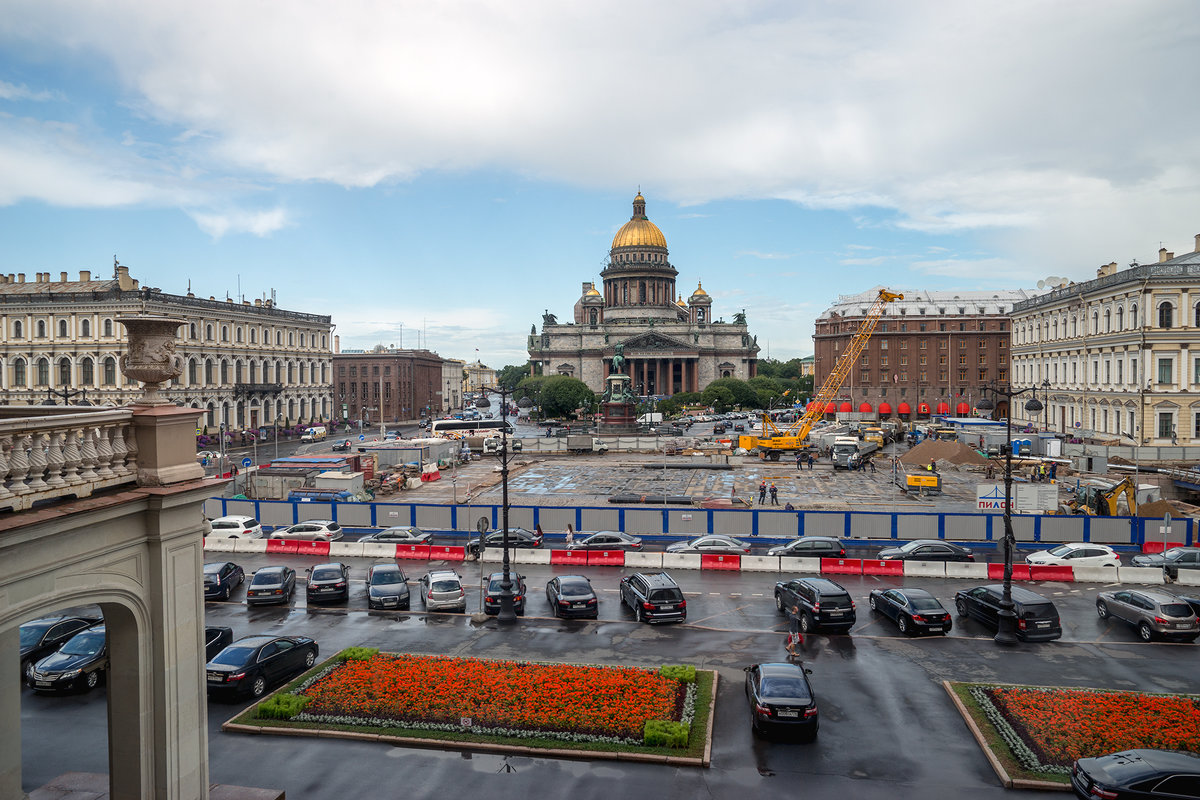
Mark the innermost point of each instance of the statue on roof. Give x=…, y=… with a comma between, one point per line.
x=549, y=319
x=740, y=317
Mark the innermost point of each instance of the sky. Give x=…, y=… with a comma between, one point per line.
x=440, y=174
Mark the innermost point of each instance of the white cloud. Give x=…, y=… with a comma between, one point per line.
x=764, y=256
x=259, y=223
x=10, y=91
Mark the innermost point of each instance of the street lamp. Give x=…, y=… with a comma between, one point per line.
x=508, y=613
x=1006, y=630
x=66, y=395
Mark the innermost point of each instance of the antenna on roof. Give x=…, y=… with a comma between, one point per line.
x=115, y=265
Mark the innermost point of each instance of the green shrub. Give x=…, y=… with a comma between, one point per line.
x=359, y=653
x=678, y=672
x=281, y=706
x=663, y=733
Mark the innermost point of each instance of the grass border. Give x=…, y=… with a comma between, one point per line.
x=698, y=752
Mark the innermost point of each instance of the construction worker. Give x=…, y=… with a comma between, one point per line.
x=762, y=493
x=774, y=495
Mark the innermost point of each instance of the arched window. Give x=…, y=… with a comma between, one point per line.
x=209, y=374
x=324, y=340
x=193, y=371
x=1133, y=323
x=1120, y=318
x=593, y=317
x=192, y=330
x=324, y=379
x=42, y=378
x=108, y=327
x=208, y=332
x=238, y=334
x=1074, y=327
x=224, y=371
x=224, y=333
x=290, y=368
x=1095, y=322
x=18, y=330
x=291, y=338
x=87, y=372
x=253, y=336
x=110, y=371
x=64, y=372
x=302, y=340
x=1107, y=321
x=253, y=366
x=19, y=373
x=41, y=329
x=1196, y=322
x=1166, y=313
x=85, y=328
x=278, y=338
x=237, y=370
x=62, y=329
x=302, y=372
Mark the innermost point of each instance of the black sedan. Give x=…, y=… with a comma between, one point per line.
x=517, y=537
x=341, y=447
x=387, y=587
x=252, y=663
x=328, y=582
x=400, y=534
x=492, y=590
x=812, y=547
x=927, y=550
x=1172, y=560
x=572, y=596
x=221, y=578
x=606, y=540
x=41, y=637
x=1137, y=774
x=79, y=664
x=913, y=610
x=781, y=700
x=271, y=585
x=216, y=639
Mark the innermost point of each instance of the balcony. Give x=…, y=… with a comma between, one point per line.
x=247, y=389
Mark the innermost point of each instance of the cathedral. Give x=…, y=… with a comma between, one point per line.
x=670, y=345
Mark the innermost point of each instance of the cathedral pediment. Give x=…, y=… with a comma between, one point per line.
x=656, y=341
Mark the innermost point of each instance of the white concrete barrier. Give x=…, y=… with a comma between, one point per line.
x=1188, y=577
x=1094, y=574
x=249, y=545
x=493, y=555
x=350, y=549
x=1140, y=575
x=377, y=549
x=221, y=545
x=681, y=560
x=967, y=569
x=760, y=563
x=531, y=556
x=801, y=565
x=925, y=569
x=644, y=560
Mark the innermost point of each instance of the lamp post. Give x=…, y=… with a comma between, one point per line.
x=1006, y=630
x=508, y=613
x=276, y=437
x=65, y=395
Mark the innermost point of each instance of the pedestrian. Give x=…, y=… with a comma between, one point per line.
x=762, y=493
x=810, y=462
x=774, y=495
x=789, y=507
x=799, y=461
x=871, y=462
x=1053, y=472
x=570, y=536
x=932, y=465
x=794, y=638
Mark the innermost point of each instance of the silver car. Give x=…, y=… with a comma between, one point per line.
x=311, y=530
x=1153, y=612
x=442, y=590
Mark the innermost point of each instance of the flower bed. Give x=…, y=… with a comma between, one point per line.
x=1041, y=731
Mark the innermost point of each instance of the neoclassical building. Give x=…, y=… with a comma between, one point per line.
x=670, y=345
x=247, y=364
x=1112, y=356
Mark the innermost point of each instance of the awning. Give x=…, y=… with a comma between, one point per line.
x=903, y=408
x=963, y=409
x=884, y=408
x=865, y=408
x=922, y=408
x=831, y=408
x=846, y=408
x=943, y=408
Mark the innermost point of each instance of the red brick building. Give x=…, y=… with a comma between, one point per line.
x=391, y=385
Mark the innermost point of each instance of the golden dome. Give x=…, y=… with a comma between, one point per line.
x=699, y=291
x=639, y=231
x=680, y=302
x=591, y=292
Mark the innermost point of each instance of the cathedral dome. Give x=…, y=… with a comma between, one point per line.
x=639, y=231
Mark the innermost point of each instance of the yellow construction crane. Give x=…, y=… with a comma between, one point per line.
x=774, y=440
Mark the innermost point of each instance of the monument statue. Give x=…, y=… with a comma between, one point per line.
x=740, y=317
x=618, y=360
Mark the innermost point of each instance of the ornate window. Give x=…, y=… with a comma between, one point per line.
x=108, y=329
x=253, y=336
x=62, y=329
x=224, y=372
x=64, y=372
x=209, y=372
x=1120, y=318
x=41, y=329
x=87, y=372
x=1133, y=323
x=208, y=332
x=18, y=330
x=224, y=333
x=192, y=331
x=110, y=371
x=1166, y=315
x=238, y=335
x=193, y=371
x=19, y=372
x=43, y=372
x=85, y=328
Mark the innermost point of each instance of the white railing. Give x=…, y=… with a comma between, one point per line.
x=49, y=452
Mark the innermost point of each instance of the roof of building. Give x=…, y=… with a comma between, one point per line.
x=639, y=231
x=921, y=302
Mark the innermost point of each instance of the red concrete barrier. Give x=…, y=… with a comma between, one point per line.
x=439, y=552
x=871, y=566
x=312, y=548
x=281, y=546
x=842, y=566
x=996, y=572
x=1152, y=547
x=1051, y=572
x=417, y=551
x=720, y=561
x=578, y=557
x=605, y=558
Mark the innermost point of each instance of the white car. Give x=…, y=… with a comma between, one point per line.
x=1075, y=554
x=311, y=530
x=235, y=527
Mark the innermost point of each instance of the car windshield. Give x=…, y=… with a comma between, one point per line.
x=212, y=569
x=444, y=586
x=1061, y=550
x=233, y=656
x=666, y=596
x=385, y=576
x=266, y=578
x=1038, y=612
x=225, y=523
x=87, y=643
x=574, y=589
x=1177, y=610
x=782, y=687
x=327, y=574
x=925, y=603
x=1175, y=553
x=32, y=634
x=908, y=548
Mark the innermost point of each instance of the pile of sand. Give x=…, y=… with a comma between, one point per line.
x=956, y=453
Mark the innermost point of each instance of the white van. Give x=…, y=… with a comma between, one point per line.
x=313, y=434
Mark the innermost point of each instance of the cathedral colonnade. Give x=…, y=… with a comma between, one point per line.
x=664, y=375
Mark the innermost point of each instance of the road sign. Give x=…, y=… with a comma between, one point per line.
x=362, y=437
x=247, y=461
x=482, y=525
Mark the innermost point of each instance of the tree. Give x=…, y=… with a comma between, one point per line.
x=719, y=397
x=740, y=392
x=531, y=387
x=562, y=395
x=511, y=375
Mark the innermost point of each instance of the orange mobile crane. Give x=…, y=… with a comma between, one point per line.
x=774, y=440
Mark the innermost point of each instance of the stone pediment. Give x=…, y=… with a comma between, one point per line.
x=655, y=341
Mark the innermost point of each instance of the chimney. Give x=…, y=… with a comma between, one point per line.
x=1197, y=250
x=337, y=344
x=123, y=280
x=62, y=277
x=1163, y=255
x=85, y=274
x=258, y=302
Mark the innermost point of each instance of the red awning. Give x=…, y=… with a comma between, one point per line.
x=963, y=409
x=831, y=408
x=903, y=408
x=943, y=408
x=846, y=408
x=922, y=408
x=884, y=408
x=865, y=408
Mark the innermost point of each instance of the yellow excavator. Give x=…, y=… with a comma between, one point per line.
x=1103, y=499
x=773, y=441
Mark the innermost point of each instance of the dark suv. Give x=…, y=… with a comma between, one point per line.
x=654, y=597
x=1037, y=618
x=492, y=591
x=823, y=603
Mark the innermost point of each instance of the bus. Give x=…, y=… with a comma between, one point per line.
x=469, y=428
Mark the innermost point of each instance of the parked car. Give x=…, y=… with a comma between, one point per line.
x=1037, y=618
x=811, y=546
x=41, y=637
x=221, y=578
x=492, y=589
x=1137, y=774
x=781, y=700
x=341, y=446
x=913, y=610
x=1077, y=554
x=235, y=527
x=327, y=582
x=823, y=604
x=927, y=550
x=216, y=639
x=654, y=597
x=252, y=663
x=79, y=663
x=572, y=596
x=400, y=534
x=606, y=540
x=274, y=584
x=387, y=586
x=713, y=543
x=1153, y=612
x=1172, y=560
x=1192, y=600
x=517, y=537
x=311, y=530
x=442, y=590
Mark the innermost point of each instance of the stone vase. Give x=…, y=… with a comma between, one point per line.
x=151, y=357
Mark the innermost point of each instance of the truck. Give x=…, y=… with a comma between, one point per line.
x=577, y=443
x=313, y=434
x=650, y=418
x=848, y=451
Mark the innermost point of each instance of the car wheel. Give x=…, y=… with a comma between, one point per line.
x=91, y=680
x=1145, y=632
x=902, y=624
x=871, y=602
x=1102, y=609
x=961, y=607
x=259, y=686
x=241, y=578
x=27, y=671
x=310, y=658
x=806, y=623
x=228, y=591
x=639, y=614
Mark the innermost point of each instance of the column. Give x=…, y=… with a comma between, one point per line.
x=10, y=712
x=669, y=389
x=645, y=374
